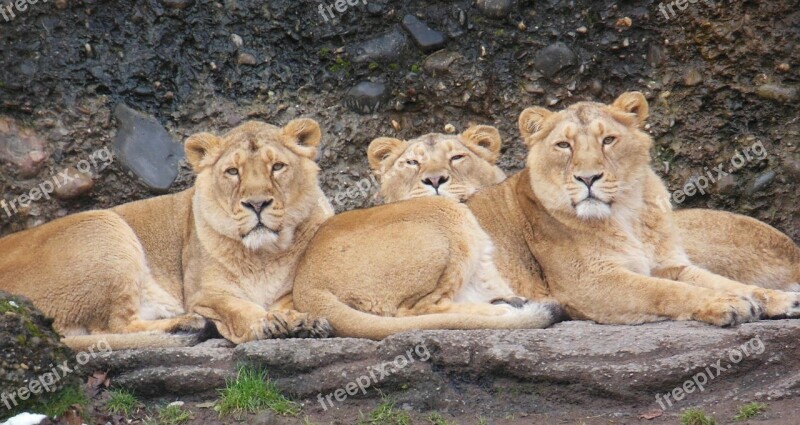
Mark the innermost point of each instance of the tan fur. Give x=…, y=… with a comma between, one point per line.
x=614, y=256
x=418, y=264
x=731, y=245
x=437, y=164
x=166, y=264
x=740, y=248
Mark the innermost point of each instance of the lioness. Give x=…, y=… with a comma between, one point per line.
x=419, y=264
x=731, y=245
x=225, y=249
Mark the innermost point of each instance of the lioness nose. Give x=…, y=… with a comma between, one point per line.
x=589, y=180
x=435, y=181
x=258, y=204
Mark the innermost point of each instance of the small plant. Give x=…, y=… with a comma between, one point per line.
x=750, y=410
x=252, y=391
x=64, y=400
x=341, y=65
x=173, y=415
x=386, y=414
x=121, y=402
x=373, y=66
x=416, y=68
x=697, y=417
x=394, y=66
x=436, y=418
x=325, y=51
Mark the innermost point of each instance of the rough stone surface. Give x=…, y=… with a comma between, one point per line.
x=21, y=147
x=30, y=348
x=573, y=363
x=495, y=8
x=145, y=148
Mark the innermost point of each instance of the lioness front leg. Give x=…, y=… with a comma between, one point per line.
x=628, y=298
x=773, y=303
x=241, y=321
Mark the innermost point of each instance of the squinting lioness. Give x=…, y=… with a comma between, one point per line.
x=225, y=249
x=732, y=245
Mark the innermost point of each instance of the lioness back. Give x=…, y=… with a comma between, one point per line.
x=418, y=264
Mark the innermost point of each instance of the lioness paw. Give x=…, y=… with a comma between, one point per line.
x=292, y=324
x=779, y=304
x=729, y=310
x=190, y=323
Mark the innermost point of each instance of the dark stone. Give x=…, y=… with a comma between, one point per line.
x=778, y=93
x=554, y=58
x=366, y=97
x=177, y=4
x=145, y=148
x=495, y=8
x=386, y=48
x=440, y=61
x=426, y=38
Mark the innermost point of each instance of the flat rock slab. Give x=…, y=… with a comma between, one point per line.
x=574, y=363
x=146, y=149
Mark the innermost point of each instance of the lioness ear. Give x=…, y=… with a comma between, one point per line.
x=304, y=135
x=486, y=137
x=202, y=149
x=379, y=150
x=633, y=102
x=531, y=121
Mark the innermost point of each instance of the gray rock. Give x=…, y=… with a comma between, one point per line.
x=366, y=97
x=426, y=38
x=495, y=8
x=762, y=181
x=440, y=61
x=145, y=148
x=778, y=93
x=554, y=58
x=386, y=48
x=621, y=365
x=246, y=59
x=726, y=185
x=21, y=147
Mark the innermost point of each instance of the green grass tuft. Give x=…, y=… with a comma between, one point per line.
x=252, y=391
x=122, y=402
x=750, y=410
x=436, y=418
x=386, y=414
x=62, y=401
x=697, y=417
x=173, y=415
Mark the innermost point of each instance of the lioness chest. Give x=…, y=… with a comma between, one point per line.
x=267, y=286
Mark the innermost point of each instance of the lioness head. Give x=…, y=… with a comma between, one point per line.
x=584, y=159
x=256, y=183
x=437, y=164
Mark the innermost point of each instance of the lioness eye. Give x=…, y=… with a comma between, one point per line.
x=232, y=171
x=456, y=157
x=563, y=145
x=412, y=162
x=278, y=166
x=609, y=140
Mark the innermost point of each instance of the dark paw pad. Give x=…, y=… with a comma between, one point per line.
x=516, y=302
